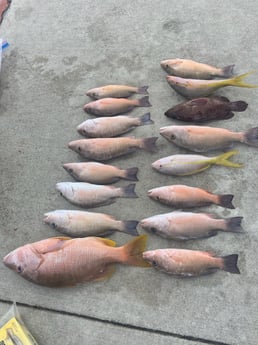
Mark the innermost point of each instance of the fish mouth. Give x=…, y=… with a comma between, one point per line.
x=8, y=261
x=142, y=222
x=86, y=107
x=71, y=145
x=46, y=218
x=59, y=187
x=65, y=166
x=162, y=130
x=155, y=165
x=170, y=114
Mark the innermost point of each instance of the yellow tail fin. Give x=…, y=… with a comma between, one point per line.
x=223, y=160
x=238, y=80
x=133, y=251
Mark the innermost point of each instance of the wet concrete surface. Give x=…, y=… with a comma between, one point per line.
x=57, y=52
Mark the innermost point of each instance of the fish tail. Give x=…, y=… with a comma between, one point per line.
x=149, y=144
x=226, y=201
x=133, y=252
x=144, y=102
x=131, y=174
x=223, y=160
x=251, y=137
x=238, y=80
x=129, y=226
x=233, y=224
x=230, y=263
x=145, y=119
x=238, y=106
x=143, y=90
x=227, y=71
x=128, y=191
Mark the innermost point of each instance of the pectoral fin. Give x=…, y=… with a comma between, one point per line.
x=106, y=273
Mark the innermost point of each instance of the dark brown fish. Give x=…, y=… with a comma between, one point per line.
x=206, y=109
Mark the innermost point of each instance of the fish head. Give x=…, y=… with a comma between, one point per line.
x=149, y=224
x=86, y=127
x=75, y=146
x=171, y=133
x=24, y=261
x=65, y=189
x=157, y=165
x=92, y=93
x=153, y=257
x=154, y=194
x=69, y=167
x=170, y=65
x=90, y=107
x=56, y=219
x=165, y=65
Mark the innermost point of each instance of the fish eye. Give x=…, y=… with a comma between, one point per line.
x=19, y=269
x=84, y=132
x=157, y=197
x=70, y=170
x=154, y=263
x=172, y=137
x=154, y=230
x=54, y=225
x=160, y=165
x=79, y=148
x=61, y=193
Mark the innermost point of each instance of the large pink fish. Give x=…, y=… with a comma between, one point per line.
x=61, y=261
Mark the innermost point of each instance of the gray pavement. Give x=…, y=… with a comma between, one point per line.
x=58, y=51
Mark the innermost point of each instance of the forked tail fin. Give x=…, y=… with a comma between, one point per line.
x=227, y=71
x=239, y=80
x=133, y=252
x=230, y=264
x=223, y=160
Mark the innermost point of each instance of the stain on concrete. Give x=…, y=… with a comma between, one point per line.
x=69, y=60
x=173, y=25
x=23, y=13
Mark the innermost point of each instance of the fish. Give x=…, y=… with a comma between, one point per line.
x=115, y=106
x=193, y=88
x=183, y=196
x=99, y=173
x=180, y=225
x=203, y=139
x=102, y=149
x=190, y=263
x=107, y=127
x=206, y=109
x=89, y=195
x=81, y=223
x=184, y=165
x=62, y=261
x=116, y=91
x=191, y=69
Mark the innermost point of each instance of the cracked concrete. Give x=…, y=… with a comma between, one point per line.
x=58, y=51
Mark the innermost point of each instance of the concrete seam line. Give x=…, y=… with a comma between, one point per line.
x=119, y=324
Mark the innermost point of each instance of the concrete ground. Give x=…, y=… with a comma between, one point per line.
x=58, y=50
